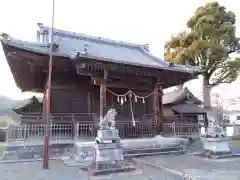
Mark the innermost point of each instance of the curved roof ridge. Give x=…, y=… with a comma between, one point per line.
x=91, y=38
x=182, y=89
x=154, y=58
x=177, y=94
x=7, y=37
x=144, y=48
x=164, y=62
x=173, y=96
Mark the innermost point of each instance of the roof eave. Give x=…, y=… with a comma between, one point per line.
x=44, y=49
x=185, y=68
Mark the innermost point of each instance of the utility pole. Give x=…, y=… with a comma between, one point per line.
x=47, y=98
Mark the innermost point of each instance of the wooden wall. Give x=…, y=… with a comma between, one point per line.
x=167, y=111
x=32, y=108
x=124, y=111
x=71, y=94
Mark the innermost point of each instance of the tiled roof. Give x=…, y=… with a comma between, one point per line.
x=103, y=49
x=29, y=101
x=178, y=95
x=112, y=50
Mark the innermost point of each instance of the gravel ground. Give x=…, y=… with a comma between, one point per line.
x=198, y=167
x=58, y=171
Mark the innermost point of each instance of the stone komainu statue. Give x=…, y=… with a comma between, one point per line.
x=108, y=121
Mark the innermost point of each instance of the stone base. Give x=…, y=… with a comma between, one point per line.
x=111, y=152
x=101, y=165
x=152, y=151
x=71, y=162
x=107, y=136
x=216, y=145
x=32, y=151
x=108, y=170
x=83, y=151
x=212, y=155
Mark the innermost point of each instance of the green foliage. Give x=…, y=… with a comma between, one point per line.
x=5, y=120
x=208, y=42
x=1, y=148
x=33, y=99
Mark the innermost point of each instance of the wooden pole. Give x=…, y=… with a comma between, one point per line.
x=48, y=98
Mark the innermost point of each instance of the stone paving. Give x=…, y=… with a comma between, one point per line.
x=198, y=167
x=58, y=171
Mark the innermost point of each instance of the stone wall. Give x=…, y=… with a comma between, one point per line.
x=27, y=152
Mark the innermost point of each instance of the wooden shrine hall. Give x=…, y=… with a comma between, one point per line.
x=91, y=75
x=181, y=104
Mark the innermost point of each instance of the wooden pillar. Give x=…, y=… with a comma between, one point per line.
x=44, y=108
x=156, y=103
x=160, y=103
x=103, y=102
x=89, y=101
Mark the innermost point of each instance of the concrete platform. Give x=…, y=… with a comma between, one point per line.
x=208, y=154
x=83, y=152
x=30, y=150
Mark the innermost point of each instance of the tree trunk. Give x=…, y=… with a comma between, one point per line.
x=206, y=93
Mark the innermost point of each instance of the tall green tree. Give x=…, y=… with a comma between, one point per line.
x=209, y=40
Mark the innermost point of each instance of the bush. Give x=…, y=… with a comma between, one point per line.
x=2, y=135
x=5, y=120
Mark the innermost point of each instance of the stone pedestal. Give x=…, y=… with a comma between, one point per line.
x=107, y=150
x=107, y=136
x=217, y=146
x=215, y=141
x=83, y=153
x=107, y=153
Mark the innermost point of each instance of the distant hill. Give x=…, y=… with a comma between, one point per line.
x=6, y=105
x=6, y=102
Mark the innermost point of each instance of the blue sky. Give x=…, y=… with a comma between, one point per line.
x=140, y=21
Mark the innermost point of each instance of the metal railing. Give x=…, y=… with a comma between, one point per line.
x=58, y=117
x=86, y=131
x=57, y=132
x=180, y=129
x=74, y=131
